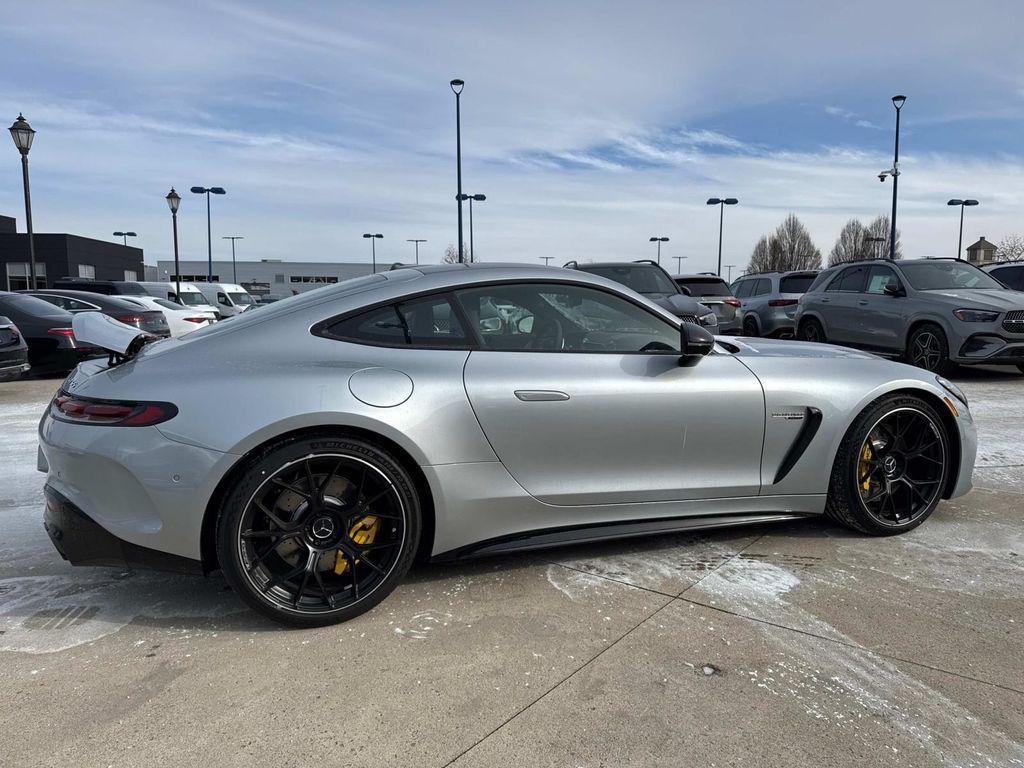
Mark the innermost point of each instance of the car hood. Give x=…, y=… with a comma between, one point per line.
x=968, y=298
x=753, y=347
x=679, y=305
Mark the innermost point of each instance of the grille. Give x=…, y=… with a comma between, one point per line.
x=1014, y=321
x=689, y=319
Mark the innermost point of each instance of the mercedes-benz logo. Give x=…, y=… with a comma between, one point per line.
x=889, y=465
x=323, y=527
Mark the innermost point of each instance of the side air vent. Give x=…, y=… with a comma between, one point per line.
x=803, y=439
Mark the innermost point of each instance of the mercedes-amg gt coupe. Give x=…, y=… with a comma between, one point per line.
x=322, y=444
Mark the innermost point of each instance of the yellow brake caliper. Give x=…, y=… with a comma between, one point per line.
x=363, y=532
x=864, y=466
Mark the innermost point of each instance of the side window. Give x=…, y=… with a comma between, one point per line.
x=1011, y=277
x=428, y=322
x=878, y=278
x=57, y=301
x=762, y=286
x=222, y=298
x=739, y=288
x=849, y=280
x=563, y=318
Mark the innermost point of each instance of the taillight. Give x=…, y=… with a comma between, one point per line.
x=110, y=413
x=66, y=332
x=733, y=302
x=195, y=319
x=129, y=319
x=782, y=303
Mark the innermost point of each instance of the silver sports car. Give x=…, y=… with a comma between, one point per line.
x=458, y=410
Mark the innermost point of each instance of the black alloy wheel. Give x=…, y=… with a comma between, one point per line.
x=319, y=531
x=750, y=327
x=927, y=348
x=811, y=330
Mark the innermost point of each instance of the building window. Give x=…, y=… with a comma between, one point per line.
x=279, y=278
x=194, y=278
x=131, y=275
x=318, y=279
x=87, y=271
x=17, y=276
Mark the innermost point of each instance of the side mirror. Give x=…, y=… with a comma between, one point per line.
x=695, y=343
x=685, y=291
x=893, y=288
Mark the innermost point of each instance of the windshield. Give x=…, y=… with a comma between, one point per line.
x=190, y=299
x=796, y=283
x=241, y=298
x=946, y=275
x=642, y=279
x=700, y=286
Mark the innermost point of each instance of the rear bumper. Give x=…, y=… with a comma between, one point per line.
x=82, y=541
x=13, y=363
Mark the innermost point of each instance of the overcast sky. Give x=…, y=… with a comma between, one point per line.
x=589, y=126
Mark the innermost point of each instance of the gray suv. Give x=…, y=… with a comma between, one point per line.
x=929, y=312
x=768, y=301
x=713, y=292
x=1010, y=274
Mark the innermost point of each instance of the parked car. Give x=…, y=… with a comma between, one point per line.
x=180, y=320
x=106, y=287
x=652, y=282
x=389, y=415
x=188, y=296
x=929, y=312
x=13, y=350
x=1010, y=274
x=52, y=346
x=713, y=292
x=118, y=307
x=768, y=301
x=228, y=299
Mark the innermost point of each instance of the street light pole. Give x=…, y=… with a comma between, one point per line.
x=416, y=244
x=961, y=203
x=23, y=134
x=124, y=236
x=897, y=102
x=373, y=247
x=471, y=198
x=721, y=202
x=729, y=267
x=457, y=85
x=209, y=237
x=234, y=274
x=659, y=241
x=173, y=201
x=547, y=259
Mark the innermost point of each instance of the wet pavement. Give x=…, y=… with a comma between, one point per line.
x=785, y=645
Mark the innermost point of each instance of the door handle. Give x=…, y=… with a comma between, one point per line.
x=540, y=395
x=825, y=301
x=862, y=302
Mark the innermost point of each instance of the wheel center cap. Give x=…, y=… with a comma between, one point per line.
x=322, y=528
x=891, y=466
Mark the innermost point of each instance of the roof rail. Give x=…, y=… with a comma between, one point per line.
x=573, y=264
x=646, y=261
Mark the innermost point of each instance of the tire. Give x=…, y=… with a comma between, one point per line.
x=1020, y=367
x=318, y=529
x=750, y=327
x=868, y=495
x=927, y=348
x=811, y=330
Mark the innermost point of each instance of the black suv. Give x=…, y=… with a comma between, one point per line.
x=652, y=282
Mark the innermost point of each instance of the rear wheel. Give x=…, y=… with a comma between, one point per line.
x=891, y=468
x=318, y=530
x=811, y=330
x=750, y=327
x=927, y=348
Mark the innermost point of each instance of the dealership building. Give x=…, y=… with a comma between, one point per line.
x=268, y=276
x=63, y=255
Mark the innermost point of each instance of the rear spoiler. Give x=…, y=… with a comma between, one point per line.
x=122, y=341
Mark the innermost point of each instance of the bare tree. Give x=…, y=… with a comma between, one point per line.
x=850, y=246
x=880, y=227
x=789, y=247
x=1011, y=248
x=451, y=254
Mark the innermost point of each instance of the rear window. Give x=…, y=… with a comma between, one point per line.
x=30, y=305
x=190, y=299
x=699, y=286
x=795, y=283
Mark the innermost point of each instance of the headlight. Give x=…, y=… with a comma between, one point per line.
x=976, y=315
x=952, y=388
x=709, y=320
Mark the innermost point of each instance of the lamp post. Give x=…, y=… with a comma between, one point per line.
x=471, y=198
x=546, y=259
x=721, y=202
x=457, y=86
x=124, y=236
x=878, y=247
x=659, y=241
x=416, y=246
x=679, y=264
x=961, y=203
x=23, y=134
x=232, y=238
x=173, y=201
x=729, y=267
x=209, y=238
x=373, y=247
x=897, y=102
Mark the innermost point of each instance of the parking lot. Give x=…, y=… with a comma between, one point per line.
x=783, y=645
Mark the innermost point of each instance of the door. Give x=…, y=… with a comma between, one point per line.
x=582, y=398
x=880, y=319
x=843, y=310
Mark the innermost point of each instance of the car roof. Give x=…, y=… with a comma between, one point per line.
x=99, y=299
x=699, y=276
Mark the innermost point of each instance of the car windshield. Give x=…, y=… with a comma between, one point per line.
x=699, y=286
x=796, y=283
x=241, y=298
x=642, y=279
x=190, y=299
x=946, y=275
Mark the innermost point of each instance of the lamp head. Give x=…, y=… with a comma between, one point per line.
x=199, y=190
x=22, y=134
x=955, y=202
x=730, y=201
x=897, y=101
x=217, y=191
x=457, y=86
x=479, y=198
x=970, y=202
x=713, y=201
x=173, y=200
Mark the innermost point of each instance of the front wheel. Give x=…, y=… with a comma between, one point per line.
x=318, y=530
x=927, y=348
x=891, y=468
